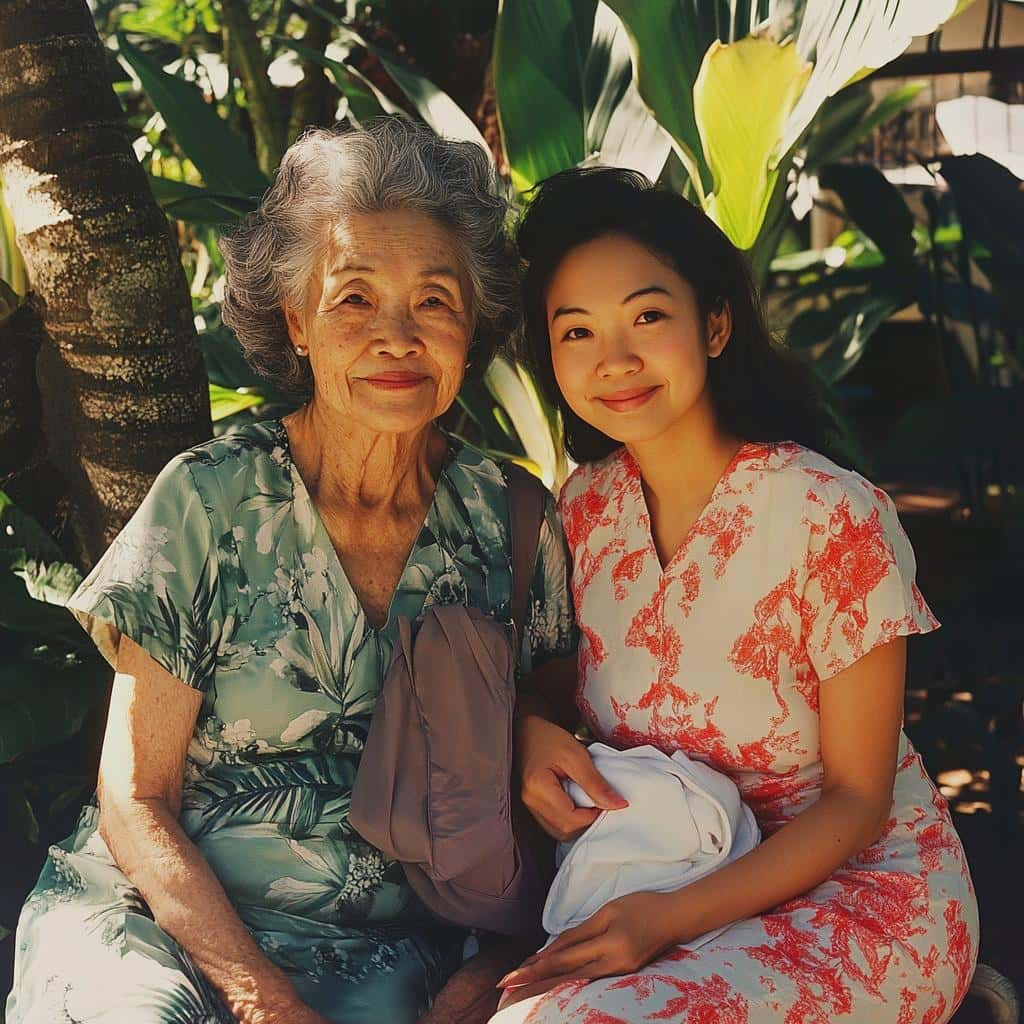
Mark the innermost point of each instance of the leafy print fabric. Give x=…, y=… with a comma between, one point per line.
x=227, y=577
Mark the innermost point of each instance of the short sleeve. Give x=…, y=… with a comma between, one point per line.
x=158, y=582
x=550, y=621
x=860, y=590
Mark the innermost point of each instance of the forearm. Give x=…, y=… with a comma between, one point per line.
x=801, y=855
x=189, y=903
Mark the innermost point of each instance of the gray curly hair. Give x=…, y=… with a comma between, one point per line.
x=329, y=173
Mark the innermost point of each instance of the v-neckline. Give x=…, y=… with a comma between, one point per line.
x=633, y=470
x=320, y=534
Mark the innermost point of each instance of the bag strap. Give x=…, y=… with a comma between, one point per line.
x=527, y=498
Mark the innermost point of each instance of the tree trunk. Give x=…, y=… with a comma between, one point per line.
x=242, y=44
x=120, y=369
x=313, y=101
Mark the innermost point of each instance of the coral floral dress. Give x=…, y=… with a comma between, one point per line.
x=794, y=570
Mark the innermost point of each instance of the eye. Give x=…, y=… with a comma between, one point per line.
x=434, y=302
x=576, y=334
x=354, y=299
x=650, y=316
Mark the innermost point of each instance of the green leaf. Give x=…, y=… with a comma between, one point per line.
x=876, y=207
x=564, y=83
x=844, y=38
x=814, y=326
x=200, y=205
x=19, y=530
x=848, y=117
x=434, y=105
x=226, y=402
x=858, y=325
x=44, y=698
x=220, y=155
x=365, y=100
x=539, y=54
x=19, y=813
x=669, y=39
x=742, y=96
x=518, y=397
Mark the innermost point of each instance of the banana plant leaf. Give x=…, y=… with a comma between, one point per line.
x=432, y=104
x=365, y=100
x=990, y=203
x=563, y=80
x=856, y=323
x=200, y=205
x=218, y=152
x=843, y=38
x=848, y=117
x=741, y=137
x=876, y=206
x=45, y=695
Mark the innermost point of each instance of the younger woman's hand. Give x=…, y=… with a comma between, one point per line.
x=623, y=936
x=545, y=755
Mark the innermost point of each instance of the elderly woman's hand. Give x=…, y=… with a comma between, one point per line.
x=545, y=755
x=471, y=995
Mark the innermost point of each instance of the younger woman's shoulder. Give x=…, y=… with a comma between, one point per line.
x=819, y=481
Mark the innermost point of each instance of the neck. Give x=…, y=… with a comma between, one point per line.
x=682, y=465
x=347, y=466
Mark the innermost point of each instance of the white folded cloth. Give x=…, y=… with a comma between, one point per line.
x=684, y=820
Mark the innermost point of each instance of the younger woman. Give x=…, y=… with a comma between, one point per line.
x=744, y=599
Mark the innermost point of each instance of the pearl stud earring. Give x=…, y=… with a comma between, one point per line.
x=301, y=350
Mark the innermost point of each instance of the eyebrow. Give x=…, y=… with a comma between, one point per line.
x=438, y=271
x=651, y=289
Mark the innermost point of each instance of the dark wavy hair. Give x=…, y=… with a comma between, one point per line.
x=759, y=391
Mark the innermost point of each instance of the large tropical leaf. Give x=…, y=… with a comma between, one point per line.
x=364, y=99
x=669, y=39
x=990, y=202
x=45, y=695
x=199, y=205
x=842, y=38
x=434, y=105
x=859, y=322
x=518, y=396
x=563, y=79
x=875, y=205
x=220, y=155
x=740, y=127
x=850, y=116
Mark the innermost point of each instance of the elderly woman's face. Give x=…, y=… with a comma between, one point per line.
x=387, y=321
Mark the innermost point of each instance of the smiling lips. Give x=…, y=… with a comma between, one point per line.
x=626, y=401
x=396, y=380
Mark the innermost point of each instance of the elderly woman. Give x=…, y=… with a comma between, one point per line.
x=254, y=597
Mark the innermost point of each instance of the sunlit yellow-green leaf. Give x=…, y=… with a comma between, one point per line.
x=741, y=99
x=225, y=402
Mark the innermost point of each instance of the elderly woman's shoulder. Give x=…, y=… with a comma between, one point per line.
x=249, y=460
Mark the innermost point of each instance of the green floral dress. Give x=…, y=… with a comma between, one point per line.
x=227, y=577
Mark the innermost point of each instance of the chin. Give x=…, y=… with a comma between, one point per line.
x=636, y=432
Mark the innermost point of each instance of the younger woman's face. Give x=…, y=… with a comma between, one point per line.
x=628, y=343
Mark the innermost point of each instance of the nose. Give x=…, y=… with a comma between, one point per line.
x=396, y=335
x=617, y=359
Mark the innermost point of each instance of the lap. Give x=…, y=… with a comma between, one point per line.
x=813, y=962
x=88, y=950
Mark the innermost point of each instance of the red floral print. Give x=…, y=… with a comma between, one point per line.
x=722, y=654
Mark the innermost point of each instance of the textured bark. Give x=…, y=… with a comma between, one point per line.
x=120, y=369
